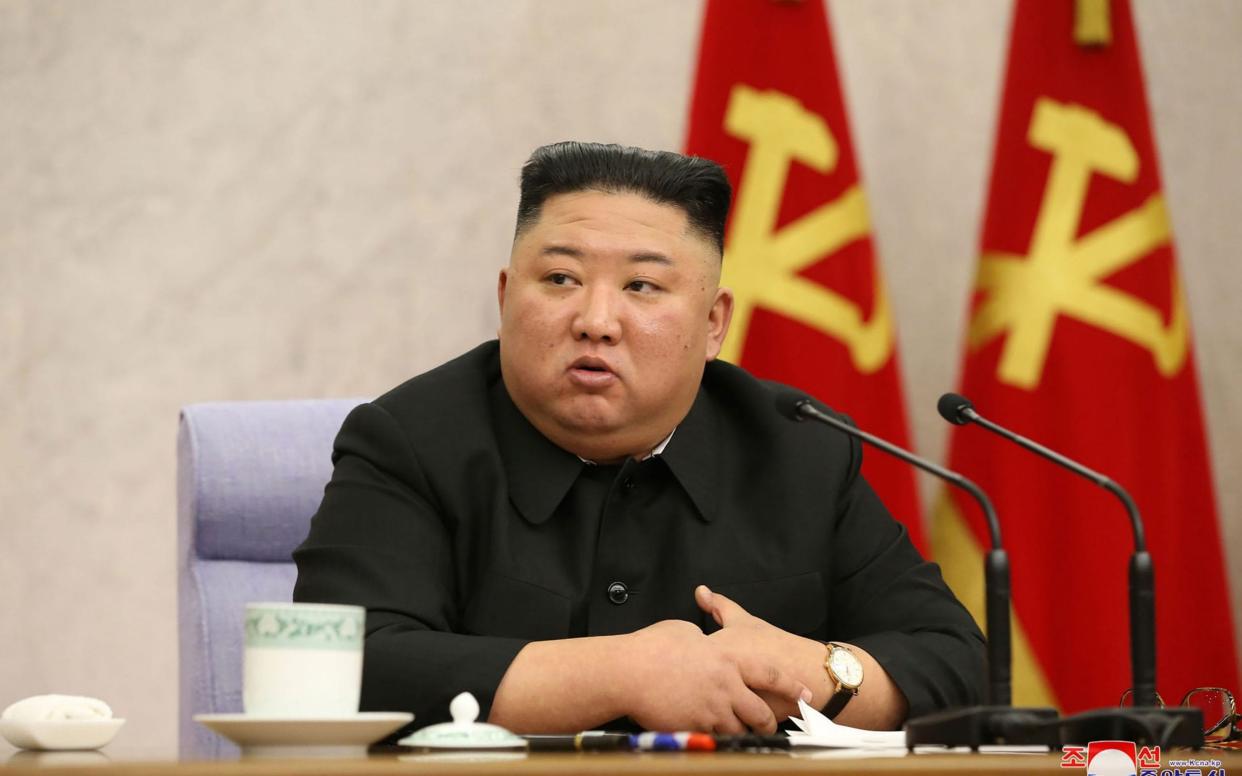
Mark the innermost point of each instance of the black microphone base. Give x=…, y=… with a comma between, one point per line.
x=1144, y=725
x=976, y=726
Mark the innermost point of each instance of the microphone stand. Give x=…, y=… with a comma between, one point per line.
x=1145, y=723
x=997, y=723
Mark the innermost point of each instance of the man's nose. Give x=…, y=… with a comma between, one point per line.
x=597, y=318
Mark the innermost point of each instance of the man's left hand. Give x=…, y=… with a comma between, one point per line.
x=741, y=633
x=880, y=705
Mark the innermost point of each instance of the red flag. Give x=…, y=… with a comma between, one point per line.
x=811, y=306
x=1079, y=338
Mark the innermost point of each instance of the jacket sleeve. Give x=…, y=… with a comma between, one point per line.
x=378, y=540
x=891, y=602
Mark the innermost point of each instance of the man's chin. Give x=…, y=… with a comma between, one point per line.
x=591, y=426
x=602, y=437
x=591, y=435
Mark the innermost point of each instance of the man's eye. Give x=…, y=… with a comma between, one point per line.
x=559, y=279
x=641, y=286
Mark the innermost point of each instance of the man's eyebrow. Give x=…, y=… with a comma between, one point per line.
x=655, y=258
x=562, y=250
x=576, y=253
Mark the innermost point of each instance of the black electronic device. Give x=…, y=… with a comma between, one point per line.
x=997, y=723
x=1144, y=723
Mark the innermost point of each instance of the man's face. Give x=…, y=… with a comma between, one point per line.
x=609, y=310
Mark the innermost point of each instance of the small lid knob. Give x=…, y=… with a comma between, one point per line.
x=464, y=709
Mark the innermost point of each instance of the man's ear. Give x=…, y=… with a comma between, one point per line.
x=501, y=282
x=718, y=319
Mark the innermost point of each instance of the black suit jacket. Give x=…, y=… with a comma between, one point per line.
x=466, y=533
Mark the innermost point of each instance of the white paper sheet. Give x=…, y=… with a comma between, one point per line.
x=819, y=731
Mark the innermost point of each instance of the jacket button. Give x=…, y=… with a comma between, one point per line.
x=618, y=593
x=628, y=484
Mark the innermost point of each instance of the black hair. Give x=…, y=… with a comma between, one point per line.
x=697, y=186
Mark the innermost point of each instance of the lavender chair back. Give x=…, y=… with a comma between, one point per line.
x=249, y=477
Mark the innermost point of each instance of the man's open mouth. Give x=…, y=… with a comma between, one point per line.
x=592, y=373
x=591, y=364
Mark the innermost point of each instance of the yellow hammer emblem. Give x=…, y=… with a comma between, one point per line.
x=1062, y=273
x=762, y=263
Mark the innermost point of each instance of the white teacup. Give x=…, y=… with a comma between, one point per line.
x=302, y=660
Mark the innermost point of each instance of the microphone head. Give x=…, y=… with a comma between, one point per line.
x=789, y=402
x=955, y=408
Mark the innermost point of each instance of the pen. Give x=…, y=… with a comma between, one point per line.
x=582, y=742
x=704, y=742
x=655, y=742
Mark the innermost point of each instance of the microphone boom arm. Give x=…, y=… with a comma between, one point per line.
x=996, y=565
x=1136, y=522
x=960, y=410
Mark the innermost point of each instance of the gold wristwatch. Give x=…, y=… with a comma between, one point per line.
x=845, y=672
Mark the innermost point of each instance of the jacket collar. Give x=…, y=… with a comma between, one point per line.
x=693, y=455
x=539, y=472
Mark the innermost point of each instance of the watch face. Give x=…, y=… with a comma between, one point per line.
x=846, y=666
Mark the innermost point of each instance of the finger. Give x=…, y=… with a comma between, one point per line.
x=703, y=597
x=753, y=711
x=724, y=610
x=765, y=677
x=727, y=723
x=782, y=708
x=731, y=727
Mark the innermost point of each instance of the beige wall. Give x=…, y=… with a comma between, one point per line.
x=229, y=200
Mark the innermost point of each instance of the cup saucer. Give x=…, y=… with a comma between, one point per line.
x=335, y=736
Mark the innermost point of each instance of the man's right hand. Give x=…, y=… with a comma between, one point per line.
x=676, y=678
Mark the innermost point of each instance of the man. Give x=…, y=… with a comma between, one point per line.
x=591, y=523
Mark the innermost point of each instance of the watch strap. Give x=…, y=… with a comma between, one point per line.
x=837, y=702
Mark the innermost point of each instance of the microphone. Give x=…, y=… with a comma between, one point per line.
x=1175, y=729
x=977, y=725
x=795, y=406
x=959, y=411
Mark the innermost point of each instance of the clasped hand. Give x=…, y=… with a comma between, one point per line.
x=743, y=677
